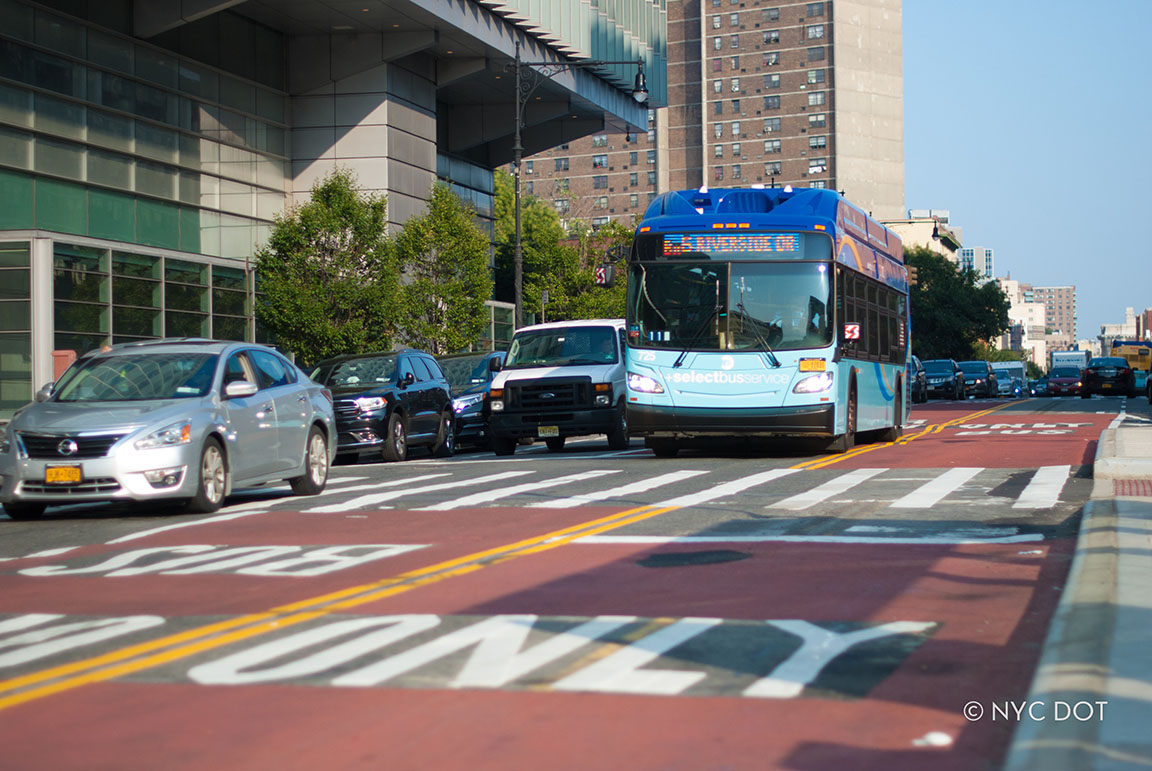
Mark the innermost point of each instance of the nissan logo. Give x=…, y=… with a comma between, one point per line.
x=68, y=447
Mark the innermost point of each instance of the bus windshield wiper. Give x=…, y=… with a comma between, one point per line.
x=696, y=335
x=759, y=337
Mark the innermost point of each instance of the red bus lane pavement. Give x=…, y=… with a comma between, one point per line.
x=516, y=638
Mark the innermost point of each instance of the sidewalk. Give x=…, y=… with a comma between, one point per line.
x=1099, y=647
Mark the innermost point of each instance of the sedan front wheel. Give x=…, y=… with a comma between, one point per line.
x=212, y=481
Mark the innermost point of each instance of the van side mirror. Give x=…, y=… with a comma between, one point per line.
x=45, y=391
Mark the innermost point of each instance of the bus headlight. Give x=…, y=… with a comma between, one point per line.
x=644, y=384
x=814, y=384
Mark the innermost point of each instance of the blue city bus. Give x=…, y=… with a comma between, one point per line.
x=763, y=313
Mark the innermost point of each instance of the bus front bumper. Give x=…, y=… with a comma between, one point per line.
x=685, y=422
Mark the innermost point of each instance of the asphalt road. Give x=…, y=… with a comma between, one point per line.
x=727, y=608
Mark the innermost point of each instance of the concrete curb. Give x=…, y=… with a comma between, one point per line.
x=1099, y=646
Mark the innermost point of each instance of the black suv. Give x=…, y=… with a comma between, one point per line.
x=980, y=378
x=470, y=376
x=389, y=401
x=945, y=378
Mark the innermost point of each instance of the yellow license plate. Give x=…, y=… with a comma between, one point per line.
x=812, y=365
x=546, y=431
x=62, y=475
x=1105, y=385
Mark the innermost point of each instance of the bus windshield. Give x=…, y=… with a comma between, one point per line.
x=713, y=306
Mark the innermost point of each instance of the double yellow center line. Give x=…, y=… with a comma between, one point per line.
x=160, y=651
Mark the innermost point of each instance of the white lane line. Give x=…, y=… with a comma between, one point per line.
x=616, y=492
x=841, y=484
x=1043, y=492
x=930, y=494
x=494, y=495
x=722, y=490
x=263, y=504
x=938, y=540
x=376, y=499
x=166, y=528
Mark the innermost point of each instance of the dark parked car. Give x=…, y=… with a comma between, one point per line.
x=1064, y=381
x=980, y=378
x=388, y=402
x=470, y=377
x=1108, y=375
x=945, y=378
x=1039, y=386
x=917, y=381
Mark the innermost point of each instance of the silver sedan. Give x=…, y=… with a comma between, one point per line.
x=182, y=421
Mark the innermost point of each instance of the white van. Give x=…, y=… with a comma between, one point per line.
x=561, y=379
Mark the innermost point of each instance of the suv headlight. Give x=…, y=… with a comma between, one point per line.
x=371, y=403
x=169, y=436
x=5, y=439
x=814, y=384
x=465, y=403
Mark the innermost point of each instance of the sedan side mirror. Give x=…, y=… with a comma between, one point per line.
x=45, y=391
x=239, y=388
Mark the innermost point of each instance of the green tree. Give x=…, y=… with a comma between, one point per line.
x=326, y=280
x=952, y=313
x=540, y=236
x=443, y=256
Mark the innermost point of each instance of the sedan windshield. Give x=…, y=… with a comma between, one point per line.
x=140, y=377
x=1065, y=372
x=939, y=367
x=974, y=367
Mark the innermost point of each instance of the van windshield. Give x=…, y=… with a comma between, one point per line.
x=562, y=347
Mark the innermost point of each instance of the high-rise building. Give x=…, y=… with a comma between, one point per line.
x=980, y=259
x=1059, y=309
x=759, y=92
x=146, y=146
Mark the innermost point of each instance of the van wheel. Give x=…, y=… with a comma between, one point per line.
x=315, y=465
x=503, y=445
x=396, y=443
x=555, y=443
x=618, y=436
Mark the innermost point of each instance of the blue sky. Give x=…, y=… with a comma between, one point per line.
x=1030, y=121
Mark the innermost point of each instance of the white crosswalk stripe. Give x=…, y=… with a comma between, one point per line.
x=931, y=493
x=479, y=499
x=726, y=489
x=821, y=493
x=618, y=492
x=375, y=499
x=1043, y=492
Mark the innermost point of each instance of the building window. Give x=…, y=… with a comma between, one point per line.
x=734, y=85
x=815, y=98
x=815, y=9
x=718, y=151
x=771, y=36
x=633, y=200
x=715, y=22
x=717, y=86
x=600, y=182
x=818, y=183
x=600, y=140
x=733, y=20
x=718, y=173
x=633, y=158
x=717, y=108
x=735, y=63
x=736, y=150
x=717, y=65
x=771, y=59
x=773, y=169
x=717, y=130
x=560, y=185
x=561, y=164
x=651, y=178
x=771, y=146
x=598, y=222
x=816, y=54
x=599, y=161
x=736, y=106
x=815, y=32
x=817, y=165
x=562, y=205
x=735, y=128
x=770, y=14
x=531, y=186
x=733, y=41
x=528, y=167
x=736, y=171
x=771, y=125
x=771, y=81
x=602, y=202
x=771, y=103
x=633, y=179
x=818, y=142
x=717, y=44
x=651, y=156
x=815, y=76
x=819, y=120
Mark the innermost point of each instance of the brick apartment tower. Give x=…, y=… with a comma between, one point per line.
x=759, y=92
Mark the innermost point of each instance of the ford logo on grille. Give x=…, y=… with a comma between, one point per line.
x=68, y=447
x=548, y=395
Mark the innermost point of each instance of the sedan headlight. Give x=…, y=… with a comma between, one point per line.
x=370, y=403
x=466, y=403
x=169, y=436
x=814, y=384
x=644, y=384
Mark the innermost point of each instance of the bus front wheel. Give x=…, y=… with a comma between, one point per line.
x=663, y=448
x=847, y=440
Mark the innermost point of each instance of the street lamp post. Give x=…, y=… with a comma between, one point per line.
x=528, y=78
